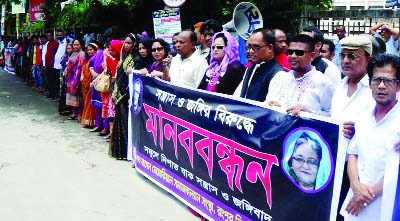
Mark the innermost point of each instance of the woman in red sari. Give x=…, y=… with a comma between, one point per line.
x=112, y=57
x=88, y=113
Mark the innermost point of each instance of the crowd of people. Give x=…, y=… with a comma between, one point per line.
x=353, y=79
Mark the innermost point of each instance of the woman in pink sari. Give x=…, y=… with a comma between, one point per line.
x=72, y=78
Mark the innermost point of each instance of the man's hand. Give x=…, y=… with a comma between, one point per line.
x=295, y=110
x=354, y=208
x=274, y=103
x=348, y=129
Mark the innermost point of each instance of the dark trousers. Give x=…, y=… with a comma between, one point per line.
x=53, y=80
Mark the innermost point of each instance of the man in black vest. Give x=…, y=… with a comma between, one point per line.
x=260, y=52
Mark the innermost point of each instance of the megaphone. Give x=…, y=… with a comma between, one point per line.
x=246, y=19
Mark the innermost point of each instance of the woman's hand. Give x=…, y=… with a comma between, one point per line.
x=156, y=74
x=143, y=71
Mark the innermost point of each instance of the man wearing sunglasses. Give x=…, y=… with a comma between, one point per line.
x=373, y=143
x=303, y=88
x=323, y=65
x=260, y=52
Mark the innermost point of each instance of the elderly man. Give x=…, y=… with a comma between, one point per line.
x=353, y=95
x=260, y=52
x=373, y=141
x=323, y=65
x=187, y=68
x=303, y=88
x=388, y=34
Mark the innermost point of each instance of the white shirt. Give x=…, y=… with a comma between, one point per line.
x=314, y=90
x=332, y=72
x=44, y=51
x=62, y=46
x=371, y=143
x=346, y=108
x=204, y=53
x=188, y=72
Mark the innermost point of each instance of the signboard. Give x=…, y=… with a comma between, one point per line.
x=36, y=12
x=166, y=22
x=230, y=159
x=392, y=3
x=18, y=8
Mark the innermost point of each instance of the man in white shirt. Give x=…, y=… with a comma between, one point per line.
x=375, y=135
x=353, y=95
x=303, y=88
x=187, y=68
x=388, y=34
x=323, y=65
x=62, y=45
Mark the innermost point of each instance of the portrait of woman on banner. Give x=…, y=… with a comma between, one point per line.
x=307, y=161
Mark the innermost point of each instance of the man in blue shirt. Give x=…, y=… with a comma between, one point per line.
x=388, y=34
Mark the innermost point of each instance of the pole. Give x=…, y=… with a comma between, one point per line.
x=17, y=24
x=3, y=15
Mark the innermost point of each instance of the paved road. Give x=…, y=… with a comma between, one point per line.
x=52, y=169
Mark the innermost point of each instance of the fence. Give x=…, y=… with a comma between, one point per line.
x=355, y=21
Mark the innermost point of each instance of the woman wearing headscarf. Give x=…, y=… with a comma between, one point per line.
x=72, y=78
x=225, y=72
x=120, y=97
x=112, y=57
x=144, y=58
x=88, y=113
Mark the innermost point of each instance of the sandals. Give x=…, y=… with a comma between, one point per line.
x=71, y=118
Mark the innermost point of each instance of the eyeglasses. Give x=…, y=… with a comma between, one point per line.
x=386, y=81
x=218, y=47
x=310, y=162
x=254, y=47
x=296, y=52
x=351, y=56
x=157, y=49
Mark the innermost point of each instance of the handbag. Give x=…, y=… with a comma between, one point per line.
x=103, y=82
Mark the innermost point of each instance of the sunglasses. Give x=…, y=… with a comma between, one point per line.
x=157, y=49
x=218, y=47
x=296, y=52
x=351, y=56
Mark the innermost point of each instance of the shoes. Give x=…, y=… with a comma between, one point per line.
x=104, y=132
x=96, y=129
x=56, y=99
x=87, y=127
x=71, y=118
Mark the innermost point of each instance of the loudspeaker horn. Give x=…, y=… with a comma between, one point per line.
x=246, y=19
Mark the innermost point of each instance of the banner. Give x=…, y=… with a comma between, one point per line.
x=18, y=8
x=233, y=160
x=36, y=12
x=166, y=22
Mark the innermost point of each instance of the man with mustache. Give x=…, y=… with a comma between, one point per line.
x=303, y=88
x=374, y=141
x=353, y=95
x=260, y=52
